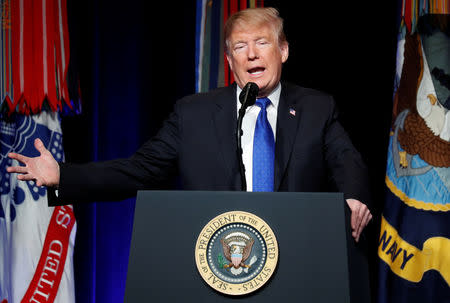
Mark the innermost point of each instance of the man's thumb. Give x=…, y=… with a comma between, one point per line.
x=39, y=146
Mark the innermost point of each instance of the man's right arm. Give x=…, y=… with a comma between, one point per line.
x=117, y=179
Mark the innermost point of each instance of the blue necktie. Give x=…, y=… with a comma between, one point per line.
x=263, y=150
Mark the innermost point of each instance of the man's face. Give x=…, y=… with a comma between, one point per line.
x=255, y=56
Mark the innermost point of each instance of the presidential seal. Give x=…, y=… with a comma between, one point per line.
x=236, y=253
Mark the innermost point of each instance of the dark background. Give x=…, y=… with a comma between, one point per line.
x=135, y=58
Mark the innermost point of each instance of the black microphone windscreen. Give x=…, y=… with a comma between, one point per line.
x=249, y=93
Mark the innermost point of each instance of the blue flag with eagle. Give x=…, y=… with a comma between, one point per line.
x=414, y=243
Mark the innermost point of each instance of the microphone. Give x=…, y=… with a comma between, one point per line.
x=247, y=98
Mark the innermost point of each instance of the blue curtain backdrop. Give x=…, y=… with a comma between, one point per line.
x=133, y=66
x=136, y=58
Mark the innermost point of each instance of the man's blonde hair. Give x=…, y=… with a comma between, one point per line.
x=254, y=17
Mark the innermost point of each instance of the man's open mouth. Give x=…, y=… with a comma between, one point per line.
x=256, y=71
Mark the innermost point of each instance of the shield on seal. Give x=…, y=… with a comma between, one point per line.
x=237, y=247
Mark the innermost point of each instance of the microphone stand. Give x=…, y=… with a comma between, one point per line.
x=247, y=97
x=239, y=133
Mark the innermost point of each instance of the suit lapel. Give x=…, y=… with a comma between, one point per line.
x=287, y=124
x=225, y=120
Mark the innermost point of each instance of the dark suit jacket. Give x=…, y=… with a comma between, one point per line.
x=313, y=152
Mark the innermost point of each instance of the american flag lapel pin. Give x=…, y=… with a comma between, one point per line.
x=292, y=111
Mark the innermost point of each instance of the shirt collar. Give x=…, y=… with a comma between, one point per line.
x=274, y=96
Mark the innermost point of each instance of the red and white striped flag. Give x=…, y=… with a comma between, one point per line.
x=35, y=55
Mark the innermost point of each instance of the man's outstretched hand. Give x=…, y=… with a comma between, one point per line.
x=44, y=170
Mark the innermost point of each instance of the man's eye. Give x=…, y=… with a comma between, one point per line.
x=239, y=47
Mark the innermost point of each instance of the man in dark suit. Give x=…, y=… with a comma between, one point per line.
x=291, y=139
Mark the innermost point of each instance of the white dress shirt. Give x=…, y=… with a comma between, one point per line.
x=248, y=129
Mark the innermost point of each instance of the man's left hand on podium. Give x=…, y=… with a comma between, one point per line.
x=361, y=216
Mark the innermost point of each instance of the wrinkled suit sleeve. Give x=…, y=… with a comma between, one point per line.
x=153, y=164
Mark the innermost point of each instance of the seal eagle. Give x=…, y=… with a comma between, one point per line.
x=237, y=247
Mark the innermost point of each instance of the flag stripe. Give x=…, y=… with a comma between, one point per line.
x=414, y=202
x=44, y=47
x=215, y=44
x=50, y=268
x=65, y=51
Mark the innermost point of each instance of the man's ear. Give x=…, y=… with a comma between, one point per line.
x=284, y=48
x=230, y=62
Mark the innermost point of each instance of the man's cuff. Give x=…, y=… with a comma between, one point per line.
x=52, y=196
